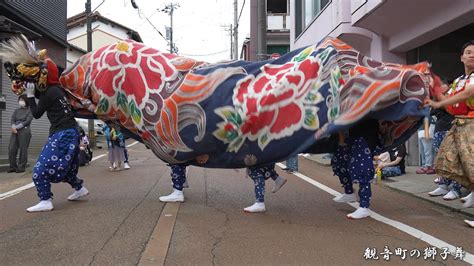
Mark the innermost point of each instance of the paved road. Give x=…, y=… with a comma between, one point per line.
x=302, y=225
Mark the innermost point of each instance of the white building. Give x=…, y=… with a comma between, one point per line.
x=104, y=32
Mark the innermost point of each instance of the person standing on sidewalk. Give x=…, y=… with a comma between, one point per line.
x=33, y=72
x=454, y=159
x=426, y=140
x=21, y=136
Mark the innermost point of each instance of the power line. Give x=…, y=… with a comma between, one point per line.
x=141, y=13
x=241, y=9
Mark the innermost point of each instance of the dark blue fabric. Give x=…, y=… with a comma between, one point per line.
x=178, y=175
x=58, y=162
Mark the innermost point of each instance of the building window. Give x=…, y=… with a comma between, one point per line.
x=278, y=49
x=306, y=11
x=277, y=6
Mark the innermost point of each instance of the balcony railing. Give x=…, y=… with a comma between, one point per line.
x=278, y=22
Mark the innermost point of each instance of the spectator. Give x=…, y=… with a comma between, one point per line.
x=116, y=148
x=396, y=165
x=20, y=137
x=291, y=164
x=426, y=148
x=85, y=153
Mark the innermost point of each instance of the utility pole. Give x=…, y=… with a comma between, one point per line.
x=262, y=30
x=168, y=9
x=236, y=31
x=228, y=27
x=90, y=122
x=231, y=33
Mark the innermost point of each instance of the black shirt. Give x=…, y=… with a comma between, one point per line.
x=369, y=130
x=53, y=101
x=444, y=120
x=399, y=151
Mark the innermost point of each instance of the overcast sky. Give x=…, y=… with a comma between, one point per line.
x=198, y=24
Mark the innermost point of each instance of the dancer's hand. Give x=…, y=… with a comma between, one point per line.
x=30, y=89
x=429, y=102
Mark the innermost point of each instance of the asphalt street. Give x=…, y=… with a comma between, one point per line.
x=122, y=222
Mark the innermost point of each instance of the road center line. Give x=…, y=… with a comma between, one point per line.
x=157, y=247
x=431, y=240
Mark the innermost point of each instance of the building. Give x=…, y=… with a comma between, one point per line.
x=104, y=32
x=399, y=31
x=278, y=29
x=45, y=23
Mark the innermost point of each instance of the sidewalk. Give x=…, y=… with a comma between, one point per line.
x=413, y=184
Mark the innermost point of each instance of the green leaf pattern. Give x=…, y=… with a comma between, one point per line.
x=136, y=114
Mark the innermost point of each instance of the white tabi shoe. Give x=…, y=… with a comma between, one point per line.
x=468, y=201
x=359, y=213
x=175, y=196
x=42, y=206
x=470, y=223
x=78, y=194
x=452, y=195
x=256, y=207
x=345, y=198
x=439, y=191
x=279, y=182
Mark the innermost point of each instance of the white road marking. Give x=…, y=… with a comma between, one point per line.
x=431, y=240
x=16, y=191
x=30, y=185
x=130, y=145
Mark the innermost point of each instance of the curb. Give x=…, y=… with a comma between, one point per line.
x=454, y=209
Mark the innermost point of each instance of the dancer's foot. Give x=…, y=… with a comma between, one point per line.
x=468, y=201
x=256, y=207
x=345, y=198
x=470, y=223
x=452, y=195
x=78, y=194
x=175, y=196
x=42, y=206
x=439, y=191
x=279, y=182
x=359, y=213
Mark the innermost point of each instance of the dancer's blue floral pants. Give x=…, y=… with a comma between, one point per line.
x=353, y=163
x=58, y=162
x=259, y=175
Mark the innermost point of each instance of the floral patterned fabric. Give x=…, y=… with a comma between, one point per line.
x=241, y=114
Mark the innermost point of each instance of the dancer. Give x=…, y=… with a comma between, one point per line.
x=259, y=175
x=352, y=163
x=59, y=159
x=454, y=159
